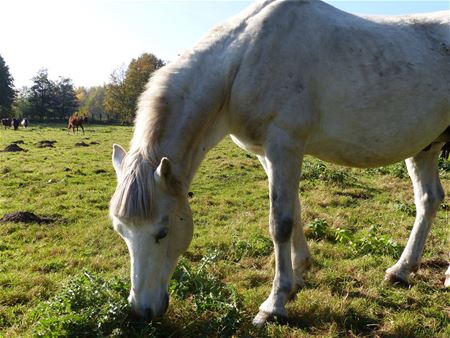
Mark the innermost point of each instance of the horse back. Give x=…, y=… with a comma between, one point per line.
x=342, y=81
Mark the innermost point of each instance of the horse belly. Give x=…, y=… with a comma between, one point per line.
x=380, y=114
x=377, y=138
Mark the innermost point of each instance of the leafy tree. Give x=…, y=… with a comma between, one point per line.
x=49, y=100
x=95, y=99
x=116, y=100
x=91, y=102
x=65, y=101
x=81, y=94
x=7, y=92
x=22, y=105
x=136, y=77
x=125, y=87
x=42, y=95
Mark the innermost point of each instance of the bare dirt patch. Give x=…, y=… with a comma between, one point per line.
x=45, y=144
x=12, y=148
x=25, y=217
x=81, y=144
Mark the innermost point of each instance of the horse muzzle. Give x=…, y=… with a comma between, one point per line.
x=147, y=313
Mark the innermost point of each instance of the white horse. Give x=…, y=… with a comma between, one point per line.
x=285, y=79
x=24, y=123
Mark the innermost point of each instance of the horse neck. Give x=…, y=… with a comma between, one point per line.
x=181, y=122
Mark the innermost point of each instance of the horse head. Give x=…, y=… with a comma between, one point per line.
x=154, y=218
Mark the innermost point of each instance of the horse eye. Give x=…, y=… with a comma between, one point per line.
x=161, y=234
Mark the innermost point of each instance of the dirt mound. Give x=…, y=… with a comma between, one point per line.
x=94, y=142
x=25, y=217
x=45, y=144
x=12, y=148
x=81, y=144
x=18, y=142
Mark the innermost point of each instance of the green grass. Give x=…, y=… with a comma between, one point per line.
x=70, y=277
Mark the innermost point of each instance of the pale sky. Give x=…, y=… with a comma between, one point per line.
x=86, y=40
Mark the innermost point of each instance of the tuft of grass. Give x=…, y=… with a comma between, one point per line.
x=319, y=230
x=444, y=165
x=317, y=170
x=86, y=306
x=208, y=294
x=397, y=170
x=373, y=243
x=91, y=306
x=257, y=246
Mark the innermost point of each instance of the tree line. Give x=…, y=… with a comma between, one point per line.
x=48, y=100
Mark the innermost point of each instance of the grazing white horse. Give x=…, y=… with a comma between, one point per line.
x=285, y=79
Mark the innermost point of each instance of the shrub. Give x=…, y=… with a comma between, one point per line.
x=318, y=229
x=372, y=244
x=397, y=170
x=257, y=246
x=90, y=306
x=319, y=171
x=444, y=165
x=86, y=306
x=410, y=210
x=209, y=294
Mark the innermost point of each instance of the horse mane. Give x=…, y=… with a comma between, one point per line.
x=134, y=193
x=167, y=86
x=173, y=82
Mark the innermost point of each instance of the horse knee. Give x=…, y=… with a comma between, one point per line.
x=281, y=229
x=431, y=200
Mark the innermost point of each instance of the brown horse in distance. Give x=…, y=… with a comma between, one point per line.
x=76, y=121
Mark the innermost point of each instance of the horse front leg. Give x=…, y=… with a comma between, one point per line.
x=428, y=195
x=283, y=169
x=300, y=255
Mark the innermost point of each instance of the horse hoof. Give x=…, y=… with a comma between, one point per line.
x=395, y=280
x=260, y=319
x=263, y=317
x=447, y=278
x=447, y=282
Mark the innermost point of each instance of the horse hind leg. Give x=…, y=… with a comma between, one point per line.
x=300, y=255
x=428, y=195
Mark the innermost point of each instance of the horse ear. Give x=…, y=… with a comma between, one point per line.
x=118, y=155
x=163, y=171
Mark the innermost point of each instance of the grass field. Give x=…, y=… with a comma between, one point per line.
x=70, y=277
